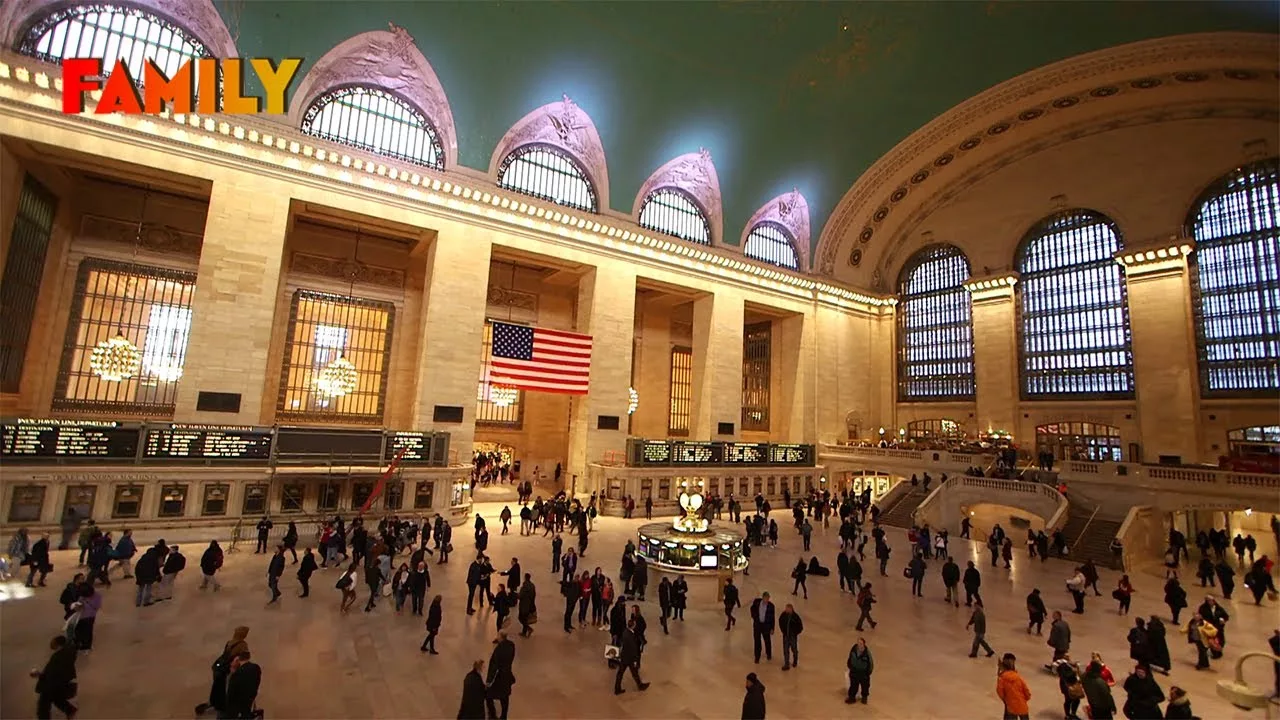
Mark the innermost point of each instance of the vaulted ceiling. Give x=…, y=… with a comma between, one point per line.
x=786, y=94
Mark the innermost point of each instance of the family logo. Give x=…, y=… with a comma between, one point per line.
x=205, y=85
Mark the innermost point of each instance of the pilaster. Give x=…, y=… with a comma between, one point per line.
x=794, y=406
x=717, y=364
x=606, y=312
x=995, y=351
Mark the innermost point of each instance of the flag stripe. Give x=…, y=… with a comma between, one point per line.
x=539, y=359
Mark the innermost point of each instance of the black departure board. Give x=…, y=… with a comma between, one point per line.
x=791, y=455
x=685, y=452
x=207, y=442
x=416, y=446
x=746, y=453
x=695, y=453
x=69, y=439
x=298, y=444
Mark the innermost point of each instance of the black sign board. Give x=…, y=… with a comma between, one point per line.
x=207, y=442
x=684, y=452
x=746, y=453
x=696, y=453
x=69, y=439
x=297, y=444
x=791, y=455
x=416, y=446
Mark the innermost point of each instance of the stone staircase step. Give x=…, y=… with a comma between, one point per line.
x=899, y=515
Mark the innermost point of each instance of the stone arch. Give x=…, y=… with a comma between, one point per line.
x=1160, y=80
x=791, y=211
x=567, y=127
x=198, y=17
x=388, y=60
x=695, y=174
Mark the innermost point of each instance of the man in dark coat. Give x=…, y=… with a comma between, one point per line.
x=38, y=559
x=790, y=625
x=55, y=685
x=305, y=571
x=501, y=678
x=242, y=685
x=264, y=530
x=972, y=581
x=762, y=623
x=664, y=602
x=274, y=570
x=753, y=707
x=640, y=576
x=951, y=578
x=473, y=692
x=146, y=573
x=629, y=658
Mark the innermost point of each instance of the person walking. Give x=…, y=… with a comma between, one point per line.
x=175, y=563
x=210, y=564
x=864, y=602
x=629, y=659
x=1012, y=690
x=1123, y=594
x=526, y=608
x=1143, y=695
x=1059, y=638
x=500, y=677
x=1070, y=686
x=264, y=531
x=753, y=706
x=664, y=602
x=89, y=605
x=242, y=687
x=799, y=573
x=978, y=621
x=972, y=582
x=731, y=601
x=274, y=570
x=435, y=614
x=305, y=571
x=290, y=541
x=860, y=665
x=790, y=625
x=473, y=694
x=1036, y=611
x=951, y=581
x=56, y=683
x=222, y=670
x=762, y=624
x=916, y=570
x=146, y=574
x=1101, y=705
x=679, y=598
x=38, y=560
x=1175, y=597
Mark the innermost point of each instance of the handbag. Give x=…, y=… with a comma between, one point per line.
x=532, y=619
x=1117, y=594
x=1075, y=690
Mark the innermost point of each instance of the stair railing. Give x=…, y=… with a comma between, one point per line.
x=1085, y=529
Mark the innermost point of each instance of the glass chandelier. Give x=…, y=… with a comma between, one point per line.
x=633, y=401
x=115, y=359
x=338, y=378
x=502, y=395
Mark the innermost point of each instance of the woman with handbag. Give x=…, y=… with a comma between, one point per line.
x=1070, y=686
x=1123, y=594
x=346, y=583
x=222, y=670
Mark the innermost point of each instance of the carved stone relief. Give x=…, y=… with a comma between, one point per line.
x=388, y=60
x=198, y=17
x=791, y=211
x=694, y=173
x=504, y=303
x=346, y=270
x=154, y=237
x=566, y=126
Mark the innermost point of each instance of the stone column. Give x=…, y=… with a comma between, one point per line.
x=606, y=312
x=653, y=370
x=717, y=364
x=995, y=352
x=793, y=407
x=237, y=289
x=1164, y=351
x=451, y=336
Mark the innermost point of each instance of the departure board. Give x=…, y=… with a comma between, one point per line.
x=685, y=452
x=656, y=452
x=746, y=453
x=300, y=444
x=69, y=439
x=791, y=455
x=416, y=446
x=695, y=453
x=207, y=442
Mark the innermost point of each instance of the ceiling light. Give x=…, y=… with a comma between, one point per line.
x=338, y=378
x=115, y=359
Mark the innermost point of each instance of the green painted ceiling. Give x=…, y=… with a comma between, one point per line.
x=783, y=94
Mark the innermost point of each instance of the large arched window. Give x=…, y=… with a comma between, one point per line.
x=671, y=211
x=935, y=327
x=770, y=242
x=377, y=121
x=1236, y=225
x=111, y=32
x=548, y=173
x=1074, y=327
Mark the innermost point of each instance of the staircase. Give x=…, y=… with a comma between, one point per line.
x=899, y=513
x=1091, y=540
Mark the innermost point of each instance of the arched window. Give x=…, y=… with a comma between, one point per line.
x=671, y=211
x=377, y=121
x=1236, y=225
x=111, y=32
x=935, y=327
x=548, y=173
x=1074, y=316
x=771, y=243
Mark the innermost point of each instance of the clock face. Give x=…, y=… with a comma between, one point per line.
x=689, y=502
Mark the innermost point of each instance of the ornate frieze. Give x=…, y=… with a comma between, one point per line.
x=346, y=270
x=152, y=236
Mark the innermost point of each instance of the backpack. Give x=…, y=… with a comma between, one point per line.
x=344, y=582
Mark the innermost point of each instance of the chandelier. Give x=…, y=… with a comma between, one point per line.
x=338, y=378
x=115, y=359
x=633, y=400
x=503, y=396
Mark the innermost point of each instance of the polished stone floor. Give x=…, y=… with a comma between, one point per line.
x=154, y=662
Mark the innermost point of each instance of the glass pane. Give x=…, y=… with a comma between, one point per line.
x=935, y=327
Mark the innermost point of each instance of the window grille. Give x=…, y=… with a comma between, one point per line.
x=111, y=32
x=497, y=405
x=550, y=174
x=122, y=298
x=756, y=351
x=322, y=327
x=935, y=327
x=23, y=269
x=1074, y=325
x=376, y=121
x=942, y=429
x=771, y=243
x=672, y=211
x=1236, y=282
x=1079, y=441
x=681, y=391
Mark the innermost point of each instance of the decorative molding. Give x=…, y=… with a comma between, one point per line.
x=992, y=287
x=388, y=60
x=198, y=17
x=566, y=126
x=791, y=211
x=695, y=174
x=1248, y=57
x=346, y=270
x=156, y=238
x=1151, y=261
x=512, y=299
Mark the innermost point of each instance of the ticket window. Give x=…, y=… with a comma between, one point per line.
x=424, y=495
x=808, y=483
x=742, y=488
x=291, y=497
x=664, y=489
x=329, y=494
x=27, y=503
x=215, y=500
x=772, y=486
x=360, y=492
x=255, y=500
x=128, y=502
x=646, y=489
x=614, y=491
x=393, y=496
x=173, y=500
x=759, y=486
x=81, y=499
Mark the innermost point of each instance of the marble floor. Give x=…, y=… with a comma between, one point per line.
x=154, y=662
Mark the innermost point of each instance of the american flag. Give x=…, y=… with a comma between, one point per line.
x=540, y=359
